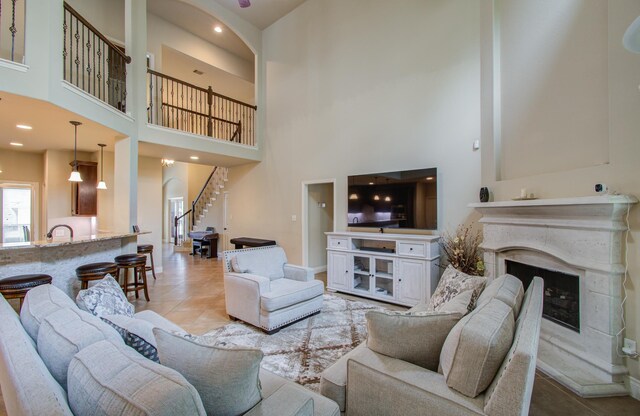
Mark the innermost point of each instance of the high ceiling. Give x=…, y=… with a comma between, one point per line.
x=199, y=24
x=262, y=13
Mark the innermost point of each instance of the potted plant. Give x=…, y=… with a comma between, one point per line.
x=463, y=250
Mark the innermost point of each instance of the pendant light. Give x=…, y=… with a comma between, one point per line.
x=75, y=175
x=101, y=184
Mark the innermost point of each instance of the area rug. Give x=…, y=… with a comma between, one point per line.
x=301, y=351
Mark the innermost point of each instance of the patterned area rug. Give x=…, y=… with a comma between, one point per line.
x=301, y=351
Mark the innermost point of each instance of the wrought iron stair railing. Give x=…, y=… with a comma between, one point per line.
x=92, y=62
x=12, y=24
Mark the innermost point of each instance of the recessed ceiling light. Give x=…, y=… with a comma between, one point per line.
x=16, y=144
x=429, y=178
x=218, y=29
x=370, y=183
x=194, y=158
x=24, y=127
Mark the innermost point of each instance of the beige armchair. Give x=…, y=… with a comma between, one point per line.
x=262, y=289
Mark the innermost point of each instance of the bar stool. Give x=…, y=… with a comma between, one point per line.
x=138, y=263
x=95, y=271
x=18, y=286
x=148, y=249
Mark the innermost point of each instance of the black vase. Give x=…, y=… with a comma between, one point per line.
x=484, y=194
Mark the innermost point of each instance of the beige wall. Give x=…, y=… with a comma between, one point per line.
x=105, y=15
x=150, y=205
x=175, y=181
x=352, y=90
x=616, y=131
x=198, y=174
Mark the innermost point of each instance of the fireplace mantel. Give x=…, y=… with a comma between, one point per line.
x=583, y=236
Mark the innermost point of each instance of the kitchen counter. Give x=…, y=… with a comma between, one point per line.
x=60, y=256
x=64, y=241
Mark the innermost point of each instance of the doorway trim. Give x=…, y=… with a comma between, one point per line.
x=305, y=217
x=35, y=204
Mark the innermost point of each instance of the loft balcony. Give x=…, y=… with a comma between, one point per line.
x=75, y=66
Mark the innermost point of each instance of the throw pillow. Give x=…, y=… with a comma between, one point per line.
x=136, y=333
x=476, y=346
x=413, y=337
x=452, y=283
x=105, y=298
x=226, y=379
x=235, y=267
x=458, y=304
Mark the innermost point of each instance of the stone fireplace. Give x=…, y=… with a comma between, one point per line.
x=576, y=245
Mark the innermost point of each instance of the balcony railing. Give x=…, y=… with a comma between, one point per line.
x=92, y=62
x=12, y=30
x=183, y=106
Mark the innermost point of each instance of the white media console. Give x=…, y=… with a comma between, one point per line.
x=395, y=268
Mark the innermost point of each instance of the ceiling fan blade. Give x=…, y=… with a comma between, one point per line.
x=244, y=3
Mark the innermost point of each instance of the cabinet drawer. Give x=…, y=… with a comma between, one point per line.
x=337, y=242
x=411, y=249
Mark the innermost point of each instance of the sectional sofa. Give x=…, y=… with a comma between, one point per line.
x=105, y=376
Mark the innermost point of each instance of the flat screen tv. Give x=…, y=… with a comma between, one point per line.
x=405, y=199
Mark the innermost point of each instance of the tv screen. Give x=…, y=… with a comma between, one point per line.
x=405, y=199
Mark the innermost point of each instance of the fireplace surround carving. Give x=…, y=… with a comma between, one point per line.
x=582, y=237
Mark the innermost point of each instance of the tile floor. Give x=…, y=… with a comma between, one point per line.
x=190, y=292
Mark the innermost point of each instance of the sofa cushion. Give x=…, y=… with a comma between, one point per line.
x=287, y=292
x=226, y=379
x=507, y=288
x=105, y=298
x=264, y=262
x=413, y=338
x=272, y=383
x=111, y=379
x=476, y=346
x=333, y=383
x=23, y=375
x=452, y=283
x=40, y=302
x=65, y=332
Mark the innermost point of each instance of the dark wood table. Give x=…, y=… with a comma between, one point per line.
x=242, y=242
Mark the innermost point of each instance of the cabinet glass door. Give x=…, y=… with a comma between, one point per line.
x=383, y=277
x=362, y=274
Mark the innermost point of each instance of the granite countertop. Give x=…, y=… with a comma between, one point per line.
x=64, y=241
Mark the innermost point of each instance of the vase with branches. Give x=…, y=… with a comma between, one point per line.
x=463, y=250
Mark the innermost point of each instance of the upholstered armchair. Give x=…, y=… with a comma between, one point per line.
x=262, y=289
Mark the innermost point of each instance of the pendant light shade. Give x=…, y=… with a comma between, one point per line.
x=101, y=184
x=75, y=175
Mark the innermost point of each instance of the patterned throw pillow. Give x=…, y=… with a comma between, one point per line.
x=136, y=333
x=105, y=298
x=453, y=283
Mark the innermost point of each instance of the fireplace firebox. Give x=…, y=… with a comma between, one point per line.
x=561, y=292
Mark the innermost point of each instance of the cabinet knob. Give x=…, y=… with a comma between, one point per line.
x=410, y=248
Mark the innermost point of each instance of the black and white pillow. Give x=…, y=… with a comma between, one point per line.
x=105, y=298
x=137, y=334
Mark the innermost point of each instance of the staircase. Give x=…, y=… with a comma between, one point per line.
x=207, y=197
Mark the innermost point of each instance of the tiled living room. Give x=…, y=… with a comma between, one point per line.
x=438, y=202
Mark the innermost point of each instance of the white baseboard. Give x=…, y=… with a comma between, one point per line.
x=319, y=269
x=633, y=384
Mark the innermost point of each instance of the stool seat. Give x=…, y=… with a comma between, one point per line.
x=130, y=259
x=96, y=268
x=24, y=281
x=95, y=271
x=17, y=286
x=145, y=248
